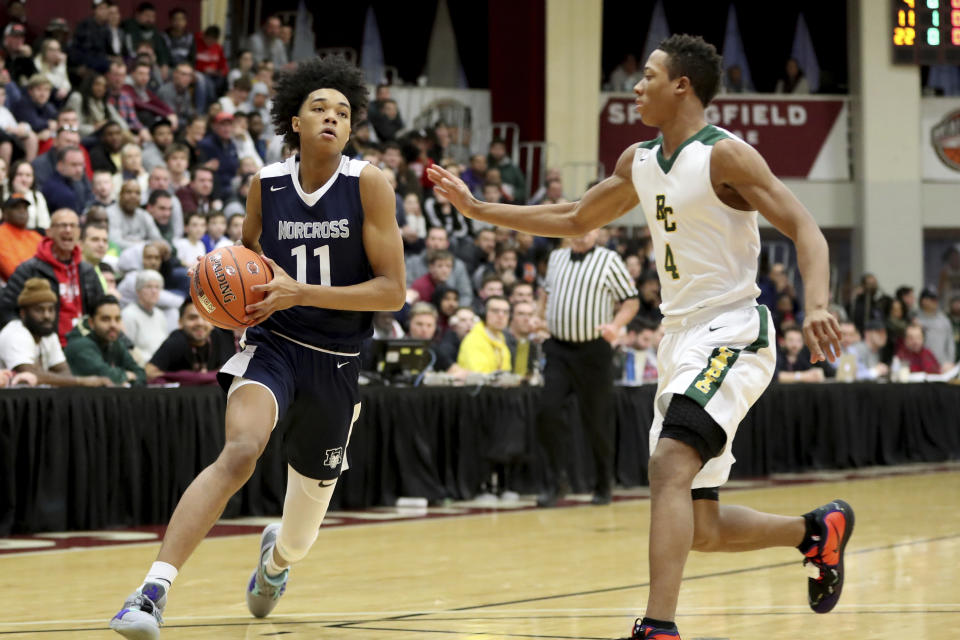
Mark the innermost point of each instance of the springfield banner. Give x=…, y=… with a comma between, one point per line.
x=799, y=136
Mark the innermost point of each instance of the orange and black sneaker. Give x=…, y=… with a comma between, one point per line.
x=835, y=523
x=646, y=632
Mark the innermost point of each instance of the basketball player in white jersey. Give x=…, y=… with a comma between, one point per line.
x=701, y=189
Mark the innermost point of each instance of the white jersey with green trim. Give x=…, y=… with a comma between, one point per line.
x=706, y=251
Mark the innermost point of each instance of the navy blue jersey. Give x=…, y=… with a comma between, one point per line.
x=317, y=238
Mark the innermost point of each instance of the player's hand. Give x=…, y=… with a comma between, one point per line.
x=453, y=189
x=192, y=268
x=282, y=292
x=609, y=332
x=821, y=333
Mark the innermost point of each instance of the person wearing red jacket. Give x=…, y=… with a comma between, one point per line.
x=211, y=61
x=913, y=353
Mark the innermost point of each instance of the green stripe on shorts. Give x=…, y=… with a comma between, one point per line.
x=711, y=377
x=761, y=342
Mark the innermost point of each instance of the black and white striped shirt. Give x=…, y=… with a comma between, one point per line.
x=583, y=292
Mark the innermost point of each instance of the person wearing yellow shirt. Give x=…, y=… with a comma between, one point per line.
x=484, y=349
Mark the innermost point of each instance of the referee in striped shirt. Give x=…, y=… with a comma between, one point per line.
x=583, y=284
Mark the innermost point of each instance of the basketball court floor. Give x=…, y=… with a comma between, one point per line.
x=479, y=573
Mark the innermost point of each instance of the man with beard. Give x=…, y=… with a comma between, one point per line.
x=129, y=224
x=192, y=354
x=94, y=346
x=59, y=260
x=30, y=345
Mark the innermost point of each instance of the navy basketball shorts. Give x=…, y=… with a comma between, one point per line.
x=316, y=387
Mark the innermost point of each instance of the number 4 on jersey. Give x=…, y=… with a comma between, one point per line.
x=669, y=264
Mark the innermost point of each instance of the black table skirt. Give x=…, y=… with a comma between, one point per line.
x=75, y=459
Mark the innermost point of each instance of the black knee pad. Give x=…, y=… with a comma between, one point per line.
x=689, y=423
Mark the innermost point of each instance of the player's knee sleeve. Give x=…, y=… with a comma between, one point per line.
x=303, y=509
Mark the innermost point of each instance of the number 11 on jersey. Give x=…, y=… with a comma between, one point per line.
x=300, y=253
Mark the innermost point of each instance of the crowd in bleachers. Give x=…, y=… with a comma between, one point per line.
x=126, y=152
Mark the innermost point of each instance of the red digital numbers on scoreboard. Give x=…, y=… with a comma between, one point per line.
x=925, y=31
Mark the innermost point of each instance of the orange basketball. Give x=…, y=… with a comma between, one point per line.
x=222, y=285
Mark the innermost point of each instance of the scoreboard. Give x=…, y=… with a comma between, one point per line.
x=925, y=31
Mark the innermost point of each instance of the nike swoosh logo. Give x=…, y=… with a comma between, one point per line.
x=340, y=364
x=277, y=188
x=326, y=484
x=714, y=328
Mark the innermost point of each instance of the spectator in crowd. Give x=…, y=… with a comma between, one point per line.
x=216, y=235
x=177, y=160
x=94, y=347
x=197, y=196
x=407, y=181
x=554, y=193
x=386, y=326
x=473, y=176
x=914, y=355
x=423, y=326
x=873, y=354
x=117, y=45
x=236, y=96
x=387, y=121
x=520, y=292
x=121, y=101
x=160, y=208
x=504, y=266
x=143, y=322
x=22, y=181
x=35, y=109
x=148, y=105
x=439, y=269
x=414, y=227
x=235, y=228
x=45, y=164
x=105, y=156
x=17, y=139
x=211, y=61
x=793, y=359
x=17, y=54
x=131, y=168
x=92, y=40
x=896, y=322
x=142, y=27
x=191, y=247
x=492, y=286
x=68, y=188
x=525, y=339
x=258, y=108
x=908, y=298
x=869, y=303
x=484, y=349
x=182, y=94
x=218, y=148
x=129, y=224
x=192, y=354
x=161, y=132
x=92, y=107
x=155, y=256
x=244, y=66
x=937, y=329
x=482, y=251
x=179, y=39
x=237, y=206
x=650, y=297
x=417, y=265
x=793, y=80
x=29, y=343
x=103, y=189
x=94, y=243
x=733, y=81
x=59, y=260
x=446, y=301
x=510, y=173
x=19, y=243
x=626, y=75
x=441, y=213
x=160, y=180
x=460, y=323
x=266, y=43
x=949, y=280
x=634, y=266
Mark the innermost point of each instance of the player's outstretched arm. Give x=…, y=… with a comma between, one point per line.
x=741, y=167
x=601, y=204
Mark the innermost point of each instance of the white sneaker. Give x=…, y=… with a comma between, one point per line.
x=142, y=613
x=263, y=592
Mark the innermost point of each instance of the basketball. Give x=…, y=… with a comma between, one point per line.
x=223, y=283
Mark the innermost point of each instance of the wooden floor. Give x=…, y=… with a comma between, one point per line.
x=577, y=572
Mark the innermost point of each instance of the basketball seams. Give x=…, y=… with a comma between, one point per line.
x=243, y=285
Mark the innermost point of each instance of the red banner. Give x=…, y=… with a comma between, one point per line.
x=803, y=138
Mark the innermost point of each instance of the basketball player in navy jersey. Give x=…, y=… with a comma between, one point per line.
x=327, y=227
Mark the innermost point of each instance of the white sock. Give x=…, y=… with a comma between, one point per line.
x=162, y=572
x=273, y=568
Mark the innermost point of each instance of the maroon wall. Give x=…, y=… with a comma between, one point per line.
x=39, y=12
x=517, y=64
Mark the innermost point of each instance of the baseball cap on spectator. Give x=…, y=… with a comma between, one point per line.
x=58, y=24
x=874, y=325
x=928, y=293
x=15, y=199
x=36, y=291
x=15, y=29
x=223, y=115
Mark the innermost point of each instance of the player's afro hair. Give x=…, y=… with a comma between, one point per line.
x=293, y=87
x=694, y=57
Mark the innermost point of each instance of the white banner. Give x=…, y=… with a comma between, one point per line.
x=940, y=139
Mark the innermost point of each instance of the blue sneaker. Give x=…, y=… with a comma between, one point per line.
x=142, y=613
x=264, y=591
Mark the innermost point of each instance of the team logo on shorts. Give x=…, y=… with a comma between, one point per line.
x=253, y=268
x=710, y=378
x=334, y=458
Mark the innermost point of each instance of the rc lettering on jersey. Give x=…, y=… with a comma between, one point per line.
x=664, y=212
x=718, y=364
x=226, y=292
x=288, y=230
